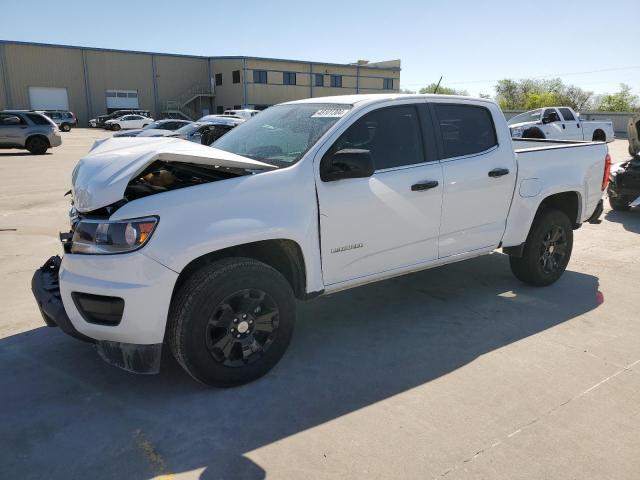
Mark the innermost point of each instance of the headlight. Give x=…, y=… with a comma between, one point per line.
x=107, y=237
x=516, y=132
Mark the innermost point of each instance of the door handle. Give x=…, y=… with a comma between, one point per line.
x=418, y=187
x=498, y=172
x=563, y=127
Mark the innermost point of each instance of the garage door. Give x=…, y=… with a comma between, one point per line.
x=48, y=98
x=119, y=99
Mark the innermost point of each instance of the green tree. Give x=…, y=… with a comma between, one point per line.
x=622, y=101
x=442, y=90
x=531, y=93
x=406, y=90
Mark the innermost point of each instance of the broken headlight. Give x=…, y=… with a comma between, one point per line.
x=108, y=237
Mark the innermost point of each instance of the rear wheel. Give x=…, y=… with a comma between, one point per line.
x=619, y=204
x=37, y=145
x=547, y=250
x=231, y=321
x=599, y=136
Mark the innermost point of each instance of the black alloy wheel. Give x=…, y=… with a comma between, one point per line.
x=242, y=328
x=553, y=250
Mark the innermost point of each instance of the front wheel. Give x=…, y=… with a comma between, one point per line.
x=115, y=127
x=37, y=145
x=547, y=250
x=231, y=321
x=65, y=127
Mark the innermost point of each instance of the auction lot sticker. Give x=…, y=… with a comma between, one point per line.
x=330, y=113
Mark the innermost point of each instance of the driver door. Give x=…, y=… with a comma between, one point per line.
x=391, y=219
x=552, y=125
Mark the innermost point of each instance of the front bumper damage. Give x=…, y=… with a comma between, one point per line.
x=45, y=285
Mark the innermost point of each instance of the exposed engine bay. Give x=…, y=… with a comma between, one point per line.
x=163, y=176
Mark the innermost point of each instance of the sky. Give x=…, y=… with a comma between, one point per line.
x=589, y=43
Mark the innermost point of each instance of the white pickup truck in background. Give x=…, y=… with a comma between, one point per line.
x=559, y=123
x=206, y=249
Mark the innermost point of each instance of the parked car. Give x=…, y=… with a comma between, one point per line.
x=206, y=130
x=63, y=118
x=159, y=126
x=245, y=113
x=559, y=123
x=28, y=130
x=99, y=121
x=128, y=122
x=624, y=185
x=207, y=249
x=633, y=131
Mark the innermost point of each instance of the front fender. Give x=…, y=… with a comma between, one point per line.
x=195, y=221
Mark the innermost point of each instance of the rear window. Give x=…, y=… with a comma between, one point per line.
x=465, y=129
x=38, y=119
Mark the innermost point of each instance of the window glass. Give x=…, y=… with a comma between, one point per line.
x=319, y=80
x=281, y=135
x=387, y=84
x=392, y=135
x=38, y=119
x=8, y=119
x=259, y=76
x=336, y=80
x=235, y=76
x=218, y=79
x=566, y=113
x=551, y=115
x=289, y=78
x=465, y=129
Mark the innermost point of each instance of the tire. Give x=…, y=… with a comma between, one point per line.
x=533, y=133
x=218, y=330
x=547, y=250
x=145, y=125
x=599, y=136
x=619, y=204
x=65, y=127
x=632, y=152
x=37, y=145
x=115, y=127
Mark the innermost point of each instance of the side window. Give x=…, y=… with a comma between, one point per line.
x=9, y=120
x=38, y=119
x=551, y=115
x=465, y=129
x=392, y=135
x=567, y=115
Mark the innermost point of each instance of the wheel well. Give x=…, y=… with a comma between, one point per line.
x=31, y=137
x=533, y=132
x=567, y=202
x=285, y=256
x=599, y=135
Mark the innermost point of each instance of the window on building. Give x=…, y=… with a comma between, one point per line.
x=387, y=83
x=235, y=76
x=465, y=129
x=392, y=135
x=218, y=79
x=566, y=113
x=259, y=76
x=319, y=80
x=219, y=110
x=336, y=80
x=289, y=78
x=237, y=107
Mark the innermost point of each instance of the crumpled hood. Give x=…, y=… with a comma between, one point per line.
x=100, y=178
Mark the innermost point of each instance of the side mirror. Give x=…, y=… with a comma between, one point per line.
x=347, y=163
x=547, y=119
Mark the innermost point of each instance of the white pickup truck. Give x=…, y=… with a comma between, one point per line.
x=206, y=249
x=559, y=123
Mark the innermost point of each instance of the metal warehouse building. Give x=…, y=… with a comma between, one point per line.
x=92, y=81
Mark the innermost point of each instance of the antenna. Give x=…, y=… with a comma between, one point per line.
x=435, y=90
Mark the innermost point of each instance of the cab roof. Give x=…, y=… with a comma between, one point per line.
x=380, y=97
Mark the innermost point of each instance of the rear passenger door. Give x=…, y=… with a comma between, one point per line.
x=570, y=125
x=390, y=220
x=479, y=178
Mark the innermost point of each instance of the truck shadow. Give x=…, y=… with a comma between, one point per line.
x=630, y=220
x=68, y=414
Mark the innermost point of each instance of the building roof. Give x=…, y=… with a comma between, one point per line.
x=373, y=65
